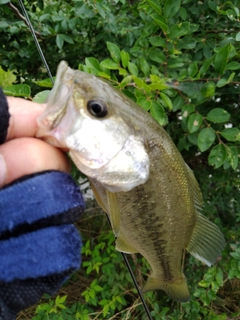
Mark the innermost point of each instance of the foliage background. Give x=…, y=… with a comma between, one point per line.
x=194, y=47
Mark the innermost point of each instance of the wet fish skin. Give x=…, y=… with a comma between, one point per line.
x=137, y=174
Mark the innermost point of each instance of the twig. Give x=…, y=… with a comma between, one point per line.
x=220, y=31
x=14, y=9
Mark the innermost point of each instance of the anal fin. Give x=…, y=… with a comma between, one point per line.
x=177, y=290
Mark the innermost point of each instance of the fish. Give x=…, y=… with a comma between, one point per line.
x=137, y=175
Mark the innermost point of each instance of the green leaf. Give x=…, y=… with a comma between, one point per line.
x=104, y=75
x=92, y=63
x=171, y=7
x=101, y=10
x=217, y=156
x=41, y=97
x=144, y=103
x=125, y=58
x=192, y=137
x=206, y=138
x=208, y=89
x=222, y=82
x=6, y=78
x=109, y=64
x=167, y=100
x=157, y=55
x=158, y=86
x=178, y=103
x=238, y=36
x=218, y=115
x=178, y=30
x=157, y=41
x=132, y=69
x=233, y=157
x=97, y=288
x=232, y=75
x=231, y=134
x=144, y=66
x=234, y=65
x=155, y=5
x=221, y=59
x=61, y=300
x=183, y=13
x=67, y=38
x=114, y=52
x=193, y=69
x=161, y=22
x=205, y=66
x=47, y=83
x=219, y=277
x=194, y=122
x=3, y=24
x=18, y=90
x=4, y=1
x=158, y=113
x=175, y=63
x=141, y=84
x=125, y=81
x=187, y=110
x=59, y=41
x=186, y=43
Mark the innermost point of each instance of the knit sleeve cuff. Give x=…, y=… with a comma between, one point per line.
x=4, y=117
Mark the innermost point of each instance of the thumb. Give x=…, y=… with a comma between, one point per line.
x=24, y=156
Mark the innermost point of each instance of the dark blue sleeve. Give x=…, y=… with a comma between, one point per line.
x=39, y=244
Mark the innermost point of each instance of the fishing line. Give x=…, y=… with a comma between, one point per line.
x=36, y=40
x=134, y=280
x=50, y=76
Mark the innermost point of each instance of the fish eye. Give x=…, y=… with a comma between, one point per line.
x=97, y=108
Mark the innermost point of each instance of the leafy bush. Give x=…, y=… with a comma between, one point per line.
x=180, y=61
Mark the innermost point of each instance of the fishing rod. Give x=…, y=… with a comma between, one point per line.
x=51, y=77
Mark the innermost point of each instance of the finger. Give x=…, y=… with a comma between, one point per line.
x=28, y=155
x=23, y=117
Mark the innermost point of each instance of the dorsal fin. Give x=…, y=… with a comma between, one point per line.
x=207, y=241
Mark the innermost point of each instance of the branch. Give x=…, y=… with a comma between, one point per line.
x=16, y=11
x=220, y=31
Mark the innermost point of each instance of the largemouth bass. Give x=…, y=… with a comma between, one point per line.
x=137, y=174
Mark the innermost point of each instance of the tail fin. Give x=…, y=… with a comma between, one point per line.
x=177, y=290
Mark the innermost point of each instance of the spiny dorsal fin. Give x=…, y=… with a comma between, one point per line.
x=195, y=188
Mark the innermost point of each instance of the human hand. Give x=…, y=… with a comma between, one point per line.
x=23, y=154
x=39, y=245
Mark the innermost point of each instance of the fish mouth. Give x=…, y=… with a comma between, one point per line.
x=54, y=137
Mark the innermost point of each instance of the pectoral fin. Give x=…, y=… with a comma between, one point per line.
x=98, y=196
x=207, y=242
x=123, y=246
x=114, y=212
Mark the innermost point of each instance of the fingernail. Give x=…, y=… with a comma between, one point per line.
x=3, y=171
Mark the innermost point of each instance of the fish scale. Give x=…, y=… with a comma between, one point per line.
x=137, y=174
